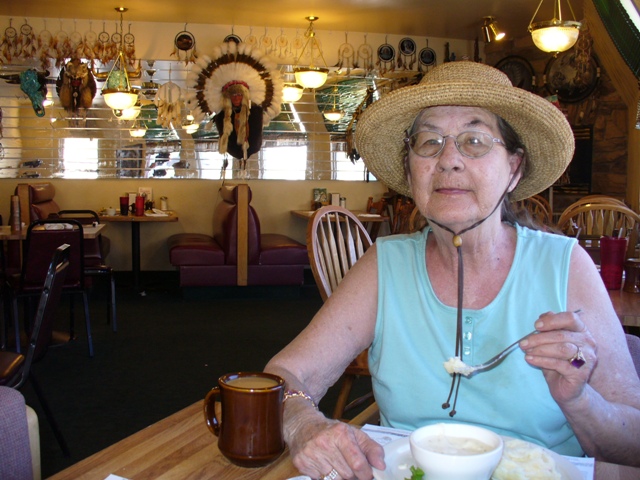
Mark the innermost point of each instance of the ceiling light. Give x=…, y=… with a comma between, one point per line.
x=138, y=131
x=490, y=30
x=117, y=90
x=292, y=92
x=130, y=113
x=555, y=35
x=311, y=76
x=334, y=114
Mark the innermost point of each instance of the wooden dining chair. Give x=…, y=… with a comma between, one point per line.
x=417, y=221
x=15, y=367
x=402, y=210
x=538, y=208
x=336, y=240
x=591, y=221
x=379, y=208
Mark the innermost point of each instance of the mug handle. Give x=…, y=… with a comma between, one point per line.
x=210, y=411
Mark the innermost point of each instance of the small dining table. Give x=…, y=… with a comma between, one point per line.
x=363, y=216
x=89, y=232
x=135, y=221
x=180, y=446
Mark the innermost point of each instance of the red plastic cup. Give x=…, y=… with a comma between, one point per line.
x=124, y=206
x=612, y=254
x=139, y=206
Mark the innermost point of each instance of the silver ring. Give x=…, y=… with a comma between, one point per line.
x=578, y=359
x=332, y=475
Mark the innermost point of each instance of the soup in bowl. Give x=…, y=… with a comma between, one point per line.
x=455, y=451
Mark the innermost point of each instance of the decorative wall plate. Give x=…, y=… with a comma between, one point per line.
x=519, y=71
x=386, y=52
x=407, y=46
x=571, y=76
x=427, y=57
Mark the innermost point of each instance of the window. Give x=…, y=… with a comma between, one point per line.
x=80, y=157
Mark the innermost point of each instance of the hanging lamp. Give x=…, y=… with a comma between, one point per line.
x=117, y=91
x=311, y=76
x=334, y=114
x=555, y=35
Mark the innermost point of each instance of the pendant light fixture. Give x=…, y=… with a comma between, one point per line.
x=334, y=114
x=490, y=30
x=291, y=92
x=555, y=35
x=311, y=76
x=117, y=91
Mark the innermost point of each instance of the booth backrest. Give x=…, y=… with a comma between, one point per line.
x=225, y=225
x=38, y=198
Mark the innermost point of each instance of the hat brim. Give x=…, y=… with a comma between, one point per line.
x=541, y=126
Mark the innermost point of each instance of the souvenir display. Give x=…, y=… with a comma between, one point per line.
x=407, y=54
x=426, y=58
x=185, y=46
x=365, y=57
x=346, y=55
x=386, y=58
x=572, y=80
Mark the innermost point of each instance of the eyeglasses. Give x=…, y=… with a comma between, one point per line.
x=472, y=144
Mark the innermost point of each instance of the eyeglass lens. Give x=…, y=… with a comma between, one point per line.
x=470, y=144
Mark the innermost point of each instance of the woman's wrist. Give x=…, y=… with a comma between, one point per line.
x=299, y=394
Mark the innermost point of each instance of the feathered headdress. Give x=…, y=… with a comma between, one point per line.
x=231, y=62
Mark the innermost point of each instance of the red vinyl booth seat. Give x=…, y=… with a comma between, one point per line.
x=217, y=260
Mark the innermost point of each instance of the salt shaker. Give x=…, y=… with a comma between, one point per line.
x=163, y=203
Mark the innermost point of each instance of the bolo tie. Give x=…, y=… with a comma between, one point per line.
x=457, y=242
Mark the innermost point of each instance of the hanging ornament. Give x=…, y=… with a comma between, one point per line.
x=346, y=55
x=426, y=58
x=365, y=56
x=9, y=44
x=26, y=41
x=184, y=46
x=386, y=58
x=407, y=56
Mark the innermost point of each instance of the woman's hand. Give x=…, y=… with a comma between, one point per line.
x=324, y=445
x=563, y=336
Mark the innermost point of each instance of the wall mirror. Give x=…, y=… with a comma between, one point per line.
x=299, y=144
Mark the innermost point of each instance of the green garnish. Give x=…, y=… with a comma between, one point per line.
x=416, y=474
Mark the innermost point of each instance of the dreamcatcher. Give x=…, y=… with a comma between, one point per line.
x=266, y=42
x=129, y=47
x=167, y=100
x=9, y=44
x=386, y=58
x=241, y=88
x=407, y=54
x=89, y=44
x=251, y=40
x=184, y=46
x=426, y=58
x=282, y=44
x=365, y=56
x=27, y=47
x=346, y=55
x=106, y=51
x=45, y=47
x=62, y=47
x=76, y=42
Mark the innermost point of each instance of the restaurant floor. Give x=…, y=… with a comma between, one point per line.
x=169, y=349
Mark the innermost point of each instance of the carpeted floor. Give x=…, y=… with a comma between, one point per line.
x=169, y=349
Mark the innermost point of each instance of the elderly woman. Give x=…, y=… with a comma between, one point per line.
x=464, y=143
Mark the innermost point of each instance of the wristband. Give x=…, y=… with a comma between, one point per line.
x=297, y=393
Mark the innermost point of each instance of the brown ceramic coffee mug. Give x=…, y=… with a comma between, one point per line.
x=249, y=430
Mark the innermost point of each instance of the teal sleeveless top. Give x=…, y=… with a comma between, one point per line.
x=415, y=334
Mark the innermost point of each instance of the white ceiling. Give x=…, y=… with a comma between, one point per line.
x=453, y=19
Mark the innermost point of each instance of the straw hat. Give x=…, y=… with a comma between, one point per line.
x=541, y=126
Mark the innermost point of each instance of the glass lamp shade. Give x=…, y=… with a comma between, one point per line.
x=130, y=113
x=118, y=100
x=333, y=115
x=138, y=132
x=311, y=77
x=553, y=36
x=292, y=93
